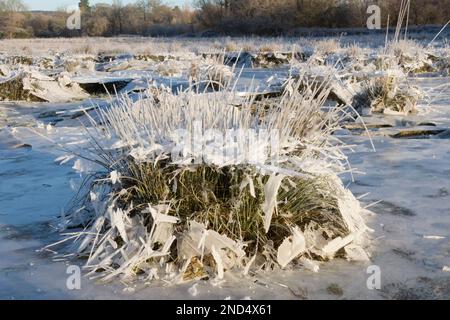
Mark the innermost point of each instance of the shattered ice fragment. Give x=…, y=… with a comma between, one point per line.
x=117, y=221
x=434, y=237
x=77, y=166
x=160, y=217
x=219, y=263
x=336, y=244
x=198, y=241
x=291, y=248
x=249, y=265
x=83, y=166
x=356, y=253
x=270, y=200
x=63, y=159
x=93, y=196
x=309, y=264
x=115, y=177
x=248, y=181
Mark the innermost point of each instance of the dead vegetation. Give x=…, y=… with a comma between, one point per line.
x=389, y=95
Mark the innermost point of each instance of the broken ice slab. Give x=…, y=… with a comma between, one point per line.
x=30, y=85
x=291, y=248
x=418, y=133
x=104, y=85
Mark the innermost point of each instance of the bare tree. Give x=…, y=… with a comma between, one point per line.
x=12, y=6
x=117, y=16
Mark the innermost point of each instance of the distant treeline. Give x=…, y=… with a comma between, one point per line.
x=212, y=17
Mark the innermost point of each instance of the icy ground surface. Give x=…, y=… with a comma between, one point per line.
x=411, y=242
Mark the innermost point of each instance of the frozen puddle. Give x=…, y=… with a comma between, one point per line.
x=408, y=180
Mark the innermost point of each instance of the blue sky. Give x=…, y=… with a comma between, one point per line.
x=54, y=4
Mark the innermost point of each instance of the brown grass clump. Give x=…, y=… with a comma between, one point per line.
x=388, y=94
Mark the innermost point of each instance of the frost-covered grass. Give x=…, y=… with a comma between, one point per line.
x=139, y=45
x=389, y=94
x=326, y=47
x=443, y=64
x=157, y=210
x=201, y=62
x=411, y=56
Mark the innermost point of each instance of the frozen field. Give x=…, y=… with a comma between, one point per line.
x=405, y=181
